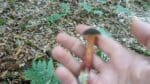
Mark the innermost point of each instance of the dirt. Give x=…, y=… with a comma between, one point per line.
x=25, y=33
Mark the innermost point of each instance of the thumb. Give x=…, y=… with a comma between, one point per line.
x=141, y=30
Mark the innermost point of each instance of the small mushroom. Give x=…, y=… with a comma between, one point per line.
x=90, y=36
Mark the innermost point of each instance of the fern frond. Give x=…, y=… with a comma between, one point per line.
x=41, y=72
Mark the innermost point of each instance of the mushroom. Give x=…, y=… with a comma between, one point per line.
x=90, y=36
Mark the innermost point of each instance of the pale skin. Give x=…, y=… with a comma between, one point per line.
x=124, y=67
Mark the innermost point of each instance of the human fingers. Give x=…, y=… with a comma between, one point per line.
x=71, y=43
x=64, y=57
x=109, y=76
x=76, y=46
x=94, y=78
x=112, y=48
x=105, y=77
x=141, y=30
x=65, y=76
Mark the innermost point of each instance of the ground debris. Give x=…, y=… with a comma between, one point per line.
x=25, y=33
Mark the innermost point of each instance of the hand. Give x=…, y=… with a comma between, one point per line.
x=124, y=67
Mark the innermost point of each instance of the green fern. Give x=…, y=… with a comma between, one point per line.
x=65, y=8
x=89, y=9
x=55, y=17
x=41, y=72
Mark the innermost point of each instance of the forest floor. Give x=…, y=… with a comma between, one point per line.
x=28, y=29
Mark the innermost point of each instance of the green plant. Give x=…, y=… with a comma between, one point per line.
x=41, y=72
x=55, y=17
x=103, y=56
x=65, y=8
x=90, y=9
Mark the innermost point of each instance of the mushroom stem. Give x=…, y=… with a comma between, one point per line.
x=88, y=58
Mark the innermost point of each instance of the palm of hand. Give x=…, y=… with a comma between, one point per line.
x=125, y=66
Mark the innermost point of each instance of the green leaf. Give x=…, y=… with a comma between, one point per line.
x=55, y=17
x=104, y=32
x=86, y=7
x=41, y=72
x=65, y=7
x=103, y=56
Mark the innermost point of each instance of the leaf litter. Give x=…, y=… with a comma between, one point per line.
x=25, y=33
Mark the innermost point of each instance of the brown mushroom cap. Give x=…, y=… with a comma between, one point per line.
x=91, y=31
